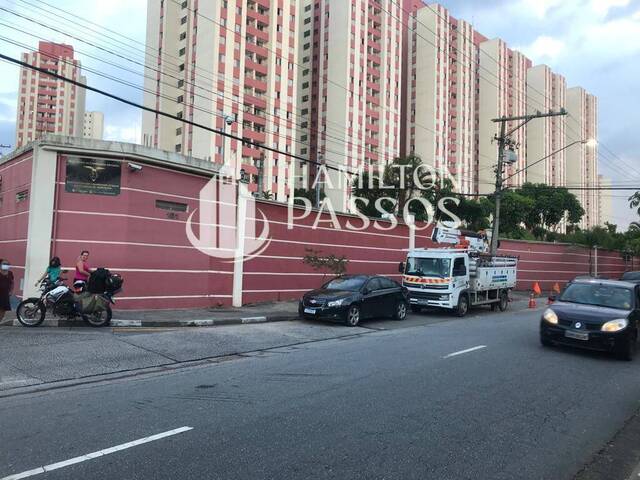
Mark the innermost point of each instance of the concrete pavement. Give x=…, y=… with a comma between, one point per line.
x=392, y=404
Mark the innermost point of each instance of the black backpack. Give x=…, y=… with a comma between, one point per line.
x=97, y=282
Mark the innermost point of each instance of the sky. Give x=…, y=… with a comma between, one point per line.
x=593, y=43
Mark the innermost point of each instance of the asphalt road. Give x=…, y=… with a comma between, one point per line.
x=382, y=404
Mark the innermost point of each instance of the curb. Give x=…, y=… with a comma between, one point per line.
x=171, y=323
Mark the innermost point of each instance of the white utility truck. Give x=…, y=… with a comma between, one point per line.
x=460, y=275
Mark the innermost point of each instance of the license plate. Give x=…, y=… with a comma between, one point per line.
x=576, y=335
x=310, y=310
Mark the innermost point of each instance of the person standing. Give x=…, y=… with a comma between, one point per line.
x=83, y=270
x=6, y=287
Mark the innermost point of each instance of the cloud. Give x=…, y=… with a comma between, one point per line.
x=129, y=134
x=539, y=8
x=544, y=49
x=602, y=7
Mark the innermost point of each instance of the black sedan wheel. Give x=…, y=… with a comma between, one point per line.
x=401, y=311
x=353, y=316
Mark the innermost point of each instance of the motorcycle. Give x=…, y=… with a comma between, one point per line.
x=61, y=301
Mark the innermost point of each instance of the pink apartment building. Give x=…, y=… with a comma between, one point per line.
x=229, y=65
x=47, y=105
x=350, y=54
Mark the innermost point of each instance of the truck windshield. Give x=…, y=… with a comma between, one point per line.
x=428, y=267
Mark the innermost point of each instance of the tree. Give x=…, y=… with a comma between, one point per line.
x=551, y=204
x=331, y=263
x=634, y=201
x=300, y=193
x=403, y=180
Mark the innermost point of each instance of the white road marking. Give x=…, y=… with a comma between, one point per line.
x=472, y=349
x=99, y=453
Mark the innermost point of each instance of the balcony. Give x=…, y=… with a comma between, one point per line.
x=251, y=151
x=254, y=66
x=254, y=14
x=257, y=49
x=254, y=31
x=254, y=135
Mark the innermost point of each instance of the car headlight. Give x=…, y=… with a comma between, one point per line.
x=615, y=325
x=336, y=303
x=550, y=316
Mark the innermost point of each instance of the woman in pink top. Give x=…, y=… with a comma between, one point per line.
x=82, y=268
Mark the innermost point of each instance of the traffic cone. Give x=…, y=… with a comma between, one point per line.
x=532, y=301
x=536, y=288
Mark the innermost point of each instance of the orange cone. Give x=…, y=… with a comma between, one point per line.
x=532, y=301
x=536, y=288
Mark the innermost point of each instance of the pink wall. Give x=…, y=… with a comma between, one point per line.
x=548, y=263
x=129, y=235
x=14, y=216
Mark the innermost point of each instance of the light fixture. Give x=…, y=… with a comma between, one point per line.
x=592, y=142
x=134, y=167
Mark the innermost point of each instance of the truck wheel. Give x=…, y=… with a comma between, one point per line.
x=504, y=301
x=463, y=305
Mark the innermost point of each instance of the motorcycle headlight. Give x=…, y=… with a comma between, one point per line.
x=615, y=325
x=550, y=316
x=336, y=303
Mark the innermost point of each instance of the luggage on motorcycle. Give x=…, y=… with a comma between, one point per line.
x=90, y=302
x=114, y=283
x=56, y=293
x=97, y=282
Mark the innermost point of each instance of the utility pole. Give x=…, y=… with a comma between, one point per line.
x=505, y=140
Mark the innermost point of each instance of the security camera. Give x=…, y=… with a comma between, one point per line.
x=134, y=167
x=229, y=119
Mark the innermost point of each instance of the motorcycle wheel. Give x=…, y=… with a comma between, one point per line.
x=31, y=312
x=99, y=318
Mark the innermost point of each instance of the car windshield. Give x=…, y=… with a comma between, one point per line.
x=428, y=267
x=598, y=295
x=352, y=284
x=631, y=276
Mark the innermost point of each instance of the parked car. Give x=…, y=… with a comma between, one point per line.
x=595, y=314
x=633, y=277
x=588, y=277
x=352, y=298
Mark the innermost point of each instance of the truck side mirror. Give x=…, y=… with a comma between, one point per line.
x=401, y=267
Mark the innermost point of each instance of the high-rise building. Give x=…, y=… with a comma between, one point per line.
x=93, y=125
x=546, y=136
x=351, y=63
x=229, y=65
x=47, y=105
x=582, y=158
x=441, y=94
x=501, y=91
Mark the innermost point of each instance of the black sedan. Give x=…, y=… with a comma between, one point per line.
x=595, y=314
x=352, y=298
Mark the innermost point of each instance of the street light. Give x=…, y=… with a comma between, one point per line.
x=228, y=121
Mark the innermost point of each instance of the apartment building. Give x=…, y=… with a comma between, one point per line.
x=502, y=80
x=93, y=126
x=546, y=137
x=351, y=63
x=46, y=104
x=582, y=158
x=440, y=94
x=229, y=65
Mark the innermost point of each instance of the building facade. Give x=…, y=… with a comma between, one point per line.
x=93, y=126
x=440, y=94
x=350, y=56
x=502, y=80
x=229, y=65
x=47, y=105
x=546, y=159
x=582, y=159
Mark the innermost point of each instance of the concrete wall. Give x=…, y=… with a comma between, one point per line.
x=14, y=215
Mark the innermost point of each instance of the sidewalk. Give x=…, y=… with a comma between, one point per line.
x=204, y=317
x=209, y=317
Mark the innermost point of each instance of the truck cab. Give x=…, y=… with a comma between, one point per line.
x=435, y=277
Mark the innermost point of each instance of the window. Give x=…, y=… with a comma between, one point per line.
x=172, y=206
x=179, y=131
x=182, y=51
x=178, y=147
x=183, y=35
x=180, y=99
x=22, y=196
x=180, y=83
x=181, y=67
x=183, y=20
x=179, y=114
x=388, y=283
x=374, y=284
x=458, y=264
x=307, y=20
